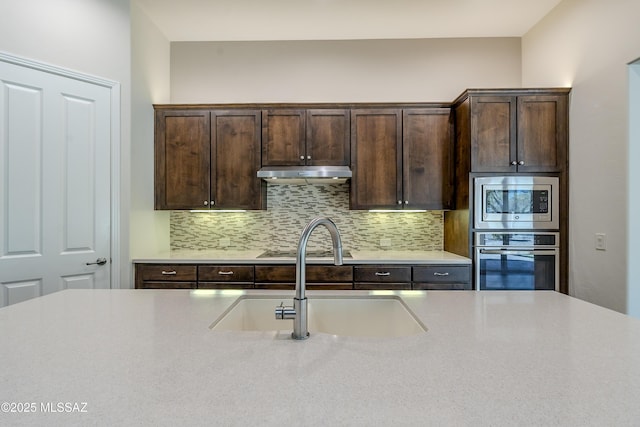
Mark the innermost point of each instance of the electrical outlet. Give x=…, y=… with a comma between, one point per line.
x=601, y=241
x=224, y=242
x=385, y=243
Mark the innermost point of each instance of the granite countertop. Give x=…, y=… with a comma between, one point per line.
x=148, y=357
x=253, y=257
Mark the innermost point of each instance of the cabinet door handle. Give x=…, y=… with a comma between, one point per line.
x=383, y=273
x=169, y=273
x=225, y=273
x=437, y=273
x=513, y=163
x=521, y=162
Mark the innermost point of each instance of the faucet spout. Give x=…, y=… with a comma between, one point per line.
x=300, y=323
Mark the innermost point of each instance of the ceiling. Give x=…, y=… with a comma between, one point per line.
x=229, y=20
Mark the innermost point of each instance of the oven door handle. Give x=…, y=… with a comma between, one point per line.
x=512, y=252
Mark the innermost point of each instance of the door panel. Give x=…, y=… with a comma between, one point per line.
x=283, y=137
x=328, y=136
x=427, y=158
x=21, y=180
x=14, y=292
x=80, y=281
x=493, y=140
x=235, y=139
x=55, y=193
x=376, y=159
x=182, y=154
x=541, y=133
x=79, y=186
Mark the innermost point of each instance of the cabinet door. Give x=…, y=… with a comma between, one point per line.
x=235, y=154
x=283, y=137
x=542, y=133
x=427, y=150
x=376, y=158
x=182, y=152
x=493, y=134
x=328, y=137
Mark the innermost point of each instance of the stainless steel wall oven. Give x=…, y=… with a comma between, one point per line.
x=525, y=260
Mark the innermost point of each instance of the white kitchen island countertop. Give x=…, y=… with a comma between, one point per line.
x=148, y=357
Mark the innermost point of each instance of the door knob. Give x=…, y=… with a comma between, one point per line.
x=99, y=261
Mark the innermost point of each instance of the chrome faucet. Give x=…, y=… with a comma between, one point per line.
x=299, y=310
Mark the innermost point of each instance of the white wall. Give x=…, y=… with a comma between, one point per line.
x=150, y=85
x=633, y=268
x=341, y=71
x=89, y=36
x=587, y=44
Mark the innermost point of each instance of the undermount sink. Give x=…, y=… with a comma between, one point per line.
x=371, y=316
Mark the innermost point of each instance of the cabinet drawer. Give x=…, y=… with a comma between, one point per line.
x=168, y=272
x=276, y=285
x=329, y=273
x=166, y=284
x=225, y=285
x=276, y=273
x=442, y=274
x=225, y=273
x=441, y=286
x=313, y=273
x=382, y=286
x=382, y=274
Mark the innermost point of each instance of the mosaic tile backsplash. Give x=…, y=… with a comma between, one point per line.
x=290, y=208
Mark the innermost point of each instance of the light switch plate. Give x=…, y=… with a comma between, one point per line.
x=385, y=243
x=601, y=241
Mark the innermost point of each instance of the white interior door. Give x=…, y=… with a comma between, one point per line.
x=55, y=199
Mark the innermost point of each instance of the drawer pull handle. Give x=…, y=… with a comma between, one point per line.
x=440, y=274
x=169, y=273
x=225, y=273
x=385, y=273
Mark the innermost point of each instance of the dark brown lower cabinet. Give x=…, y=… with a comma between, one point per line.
x=316, y=277
x=382, y=277
x=166, y=276
x=225, y=276
x=283, y=277
x=442, y=277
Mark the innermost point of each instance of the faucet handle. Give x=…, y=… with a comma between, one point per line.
x=285, y=312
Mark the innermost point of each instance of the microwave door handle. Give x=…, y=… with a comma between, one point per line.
x=516, y=252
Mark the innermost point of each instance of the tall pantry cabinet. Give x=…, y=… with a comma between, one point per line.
x=509, y=132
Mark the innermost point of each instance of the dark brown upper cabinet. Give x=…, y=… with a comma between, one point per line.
x=402, y=159
x=427, y=153
x=207, y=159
x=235, y=142
x=312, y=137
x=182, y=159
x=518, y=132
x=376, y=159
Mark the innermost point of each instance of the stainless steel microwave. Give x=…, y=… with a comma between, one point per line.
x=516, y=202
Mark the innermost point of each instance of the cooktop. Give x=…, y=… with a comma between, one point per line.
x=292, y=254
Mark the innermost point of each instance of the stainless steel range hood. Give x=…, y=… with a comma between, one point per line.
x=305, y=174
